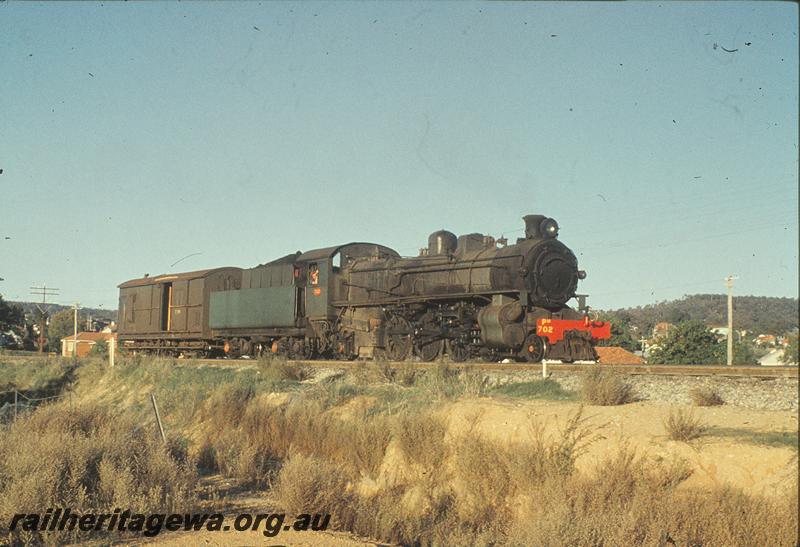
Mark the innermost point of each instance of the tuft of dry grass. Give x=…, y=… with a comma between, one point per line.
x=444, y=382
x=405, y=374
x=277, y=369
x=704, y=396
x=87, y=459
x=309, y=483
x=421, y=437
x=605, y=388
x=682, y=425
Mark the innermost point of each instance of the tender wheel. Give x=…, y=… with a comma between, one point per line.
x=300, y=350
x=430, y=351
x=533, y=349
x=458, y=351
x=398, y=339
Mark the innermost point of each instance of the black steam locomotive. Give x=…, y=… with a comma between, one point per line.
x=469, y=296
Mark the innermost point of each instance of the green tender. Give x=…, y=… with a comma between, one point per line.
x=265, y=307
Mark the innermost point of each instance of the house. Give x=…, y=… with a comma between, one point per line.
x=85, y=343
x=722, y=332
x=768, y=340
x=772, y=359
x=661, y=330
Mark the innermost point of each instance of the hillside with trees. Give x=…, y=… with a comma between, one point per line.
x=31, y=310
x=756, y=314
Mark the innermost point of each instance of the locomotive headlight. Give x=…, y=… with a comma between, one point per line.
x=549, y=228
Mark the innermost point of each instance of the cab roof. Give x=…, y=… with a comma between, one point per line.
x=353, y=249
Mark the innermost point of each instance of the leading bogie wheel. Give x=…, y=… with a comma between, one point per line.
x=533, y=349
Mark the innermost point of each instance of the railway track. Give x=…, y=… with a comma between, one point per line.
x=660, y=370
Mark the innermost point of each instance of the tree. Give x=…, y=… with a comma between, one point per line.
x=11, y=316
x=99, y=349
x=689, y=343
x=743, y=353
x=61, y=325
x=790, y=354
x=620, y=332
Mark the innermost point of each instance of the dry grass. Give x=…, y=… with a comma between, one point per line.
x=633, y=501
x=420, y=435
x=405, y=374
x=605, y=388
x=443, y=382
x=406, y=477
x=703, y=396
x=469, y=490
x=311, y=484
x=250, y=441
x=278, y=369
x=682, y=425
x=536, y=389
x=87, y=459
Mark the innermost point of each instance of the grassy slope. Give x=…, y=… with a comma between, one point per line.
x=372, y=446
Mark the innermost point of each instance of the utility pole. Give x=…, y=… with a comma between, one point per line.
x=75, y=307
x=44, y=292
x=729, y=284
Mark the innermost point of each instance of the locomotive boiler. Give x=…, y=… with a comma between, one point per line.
x=469, y=297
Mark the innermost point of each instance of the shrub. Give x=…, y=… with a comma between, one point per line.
x=420, y=435
x=278, y=369
x=444, y=382
x=307, y=484
x=537, y=389
x=703, y=396
x=100, y=349
x=88, y=460
x=683, y=426
x=605, y=388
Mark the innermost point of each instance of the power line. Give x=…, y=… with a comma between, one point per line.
x=44, y=292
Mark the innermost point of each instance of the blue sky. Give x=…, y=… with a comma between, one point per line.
x=135, y=134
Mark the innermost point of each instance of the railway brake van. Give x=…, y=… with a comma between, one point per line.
x=169, y=313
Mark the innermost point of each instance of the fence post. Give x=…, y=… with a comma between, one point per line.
x=158, y=418
x=544, y=369
x=15, y=404
x=112, y=343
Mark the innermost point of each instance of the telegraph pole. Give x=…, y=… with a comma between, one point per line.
x=729, y=284
x=44, y=292
x=75, y=307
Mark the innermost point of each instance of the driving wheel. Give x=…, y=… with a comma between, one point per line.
x=430, y=351
x=398, y=338
x=458, y=350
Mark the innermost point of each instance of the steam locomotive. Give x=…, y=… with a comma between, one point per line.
x=470, y=297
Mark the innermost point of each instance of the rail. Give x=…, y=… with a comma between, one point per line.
x=661, y=370
x=666, y=370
